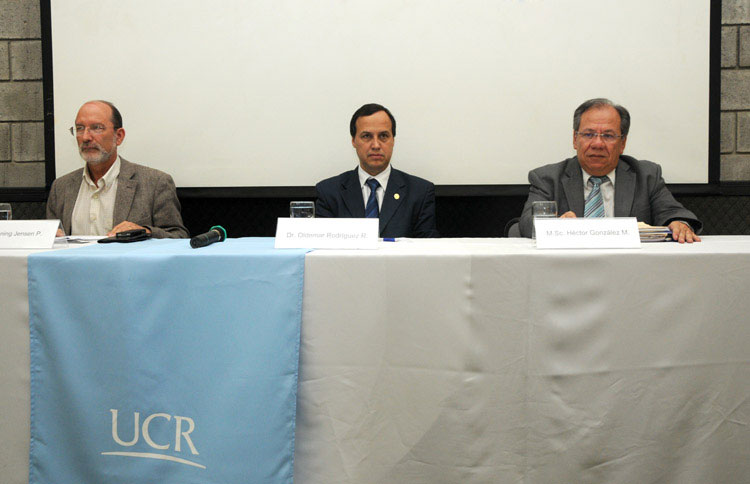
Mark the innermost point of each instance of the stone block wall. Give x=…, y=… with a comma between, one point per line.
x=21, y=100
x=735, y=90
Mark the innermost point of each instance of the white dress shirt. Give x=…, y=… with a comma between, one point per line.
x=381, y=177
x=94, y=209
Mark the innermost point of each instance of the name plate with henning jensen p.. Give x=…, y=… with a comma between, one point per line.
x=587, y=233
x=327, y=233
x=28, y=234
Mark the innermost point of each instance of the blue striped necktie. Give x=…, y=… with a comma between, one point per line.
x=371, y=208
x=595, y=203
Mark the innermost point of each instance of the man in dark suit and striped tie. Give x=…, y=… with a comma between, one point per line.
x=602, y=182
x=404, y=204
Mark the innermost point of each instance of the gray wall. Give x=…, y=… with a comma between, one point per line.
x=735, y=90
x=21, y=100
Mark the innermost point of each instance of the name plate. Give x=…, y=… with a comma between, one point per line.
x=587, y=233
x=28, y=234
x=327, y=233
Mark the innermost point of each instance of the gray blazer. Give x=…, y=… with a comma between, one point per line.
x=640, y=192
x=145, y=196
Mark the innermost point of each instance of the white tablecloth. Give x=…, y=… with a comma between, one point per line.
x=476, y=361
x=485, y=360
x=14, y=368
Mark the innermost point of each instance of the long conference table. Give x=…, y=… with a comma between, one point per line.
x=487, y=360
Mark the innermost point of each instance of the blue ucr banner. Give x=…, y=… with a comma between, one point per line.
x=155, y=362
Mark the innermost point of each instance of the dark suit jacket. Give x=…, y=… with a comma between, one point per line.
x=145, y=196
x=412, y=214
x=640, y=192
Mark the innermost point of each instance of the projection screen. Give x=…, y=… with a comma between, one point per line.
x=242, y=93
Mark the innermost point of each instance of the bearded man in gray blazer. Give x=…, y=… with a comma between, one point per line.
x=110, y=194
x=628, y=187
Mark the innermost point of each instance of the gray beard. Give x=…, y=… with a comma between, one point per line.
x=95, y=159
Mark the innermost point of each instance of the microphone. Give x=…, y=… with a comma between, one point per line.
x=216, y=234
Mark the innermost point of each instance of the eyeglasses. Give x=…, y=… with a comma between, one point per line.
x=78, y=130
x=606, y=137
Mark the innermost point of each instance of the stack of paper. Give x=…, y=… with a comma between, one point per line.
x=650, y=233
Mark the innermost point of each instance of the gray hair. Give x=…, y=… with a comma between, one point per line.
x=600, y=102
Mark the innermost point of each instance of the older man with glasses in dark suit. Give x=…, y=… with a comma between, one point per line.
x=602, y=182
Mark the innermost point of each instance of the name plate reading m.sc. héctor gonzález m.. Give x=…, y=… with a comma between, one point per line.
x=327, y=233
x=587, y=233
x=28, y=234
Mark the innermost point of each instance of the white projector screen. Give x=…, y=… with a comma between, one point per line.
x=248, y=93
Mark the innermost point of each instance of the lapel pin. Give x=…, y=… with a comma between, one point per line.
x=396, y=196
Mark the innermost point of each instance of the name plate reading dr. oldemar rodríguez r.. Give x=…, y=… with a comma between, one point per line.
x=327, y=233
x=28, y=234
x=587, y=233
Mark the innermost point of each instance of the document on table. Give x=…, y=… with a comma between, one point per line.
x=650, y=233
x=80, y=239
